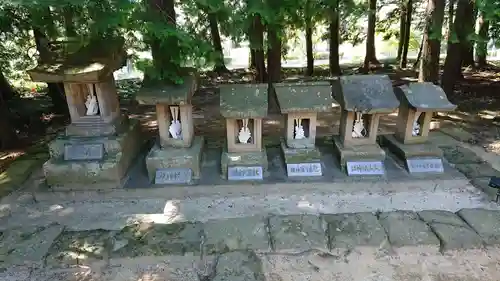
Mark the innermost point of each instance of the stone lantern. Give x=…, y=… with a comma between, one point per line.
x=100, y=143
x=176, y=157
x=301, y=102
x=244, y=106
x=363, y=99
x=410, y=143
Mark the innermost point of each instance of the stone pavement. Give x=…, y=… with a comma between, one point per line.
x=284, y=247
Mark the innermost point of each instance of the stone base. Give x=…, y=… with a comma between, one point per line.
x=407, y=151
x=367, y=152
x=233, y=159
x=119, y=152
x=96, y=129
x=300, y=155
x=170, y=157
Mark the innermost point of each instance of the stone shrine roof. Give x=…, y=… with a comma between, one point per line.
x=90, y=63
x=244, y=100
x=304, y=96
x=424, y=96
x=158, y=92
x=366, y=94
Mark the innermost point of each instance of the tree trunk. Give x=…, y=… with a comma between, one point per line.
x=469, y=22
x=334, y=59
x=309, y=48
x=419, y=56
x=69, y=26
x=252, y=59
x=452, y=66
x=165, y=52
x=431, y=43
x=451, y=12
x=8, y=136
x=406, y=43
x=256, y=35
x=402, y=28
x=273, y=54
x=370, y=57
x=482, y=45
x=220, y=66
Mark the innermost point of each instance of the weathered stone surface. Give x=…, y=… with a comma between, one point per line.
x=424, y=96
x=371, y=152
x=169, y=157
x=231, y=159
x=297, y=233
x=485, y=222
x=16, y=174
x=239, y=266
x=27, y=246
x=453, y=232
x=483, y=185
x=154, y=93
x=80, y=248
x=300, y=155
x=458, y=133
x=472, y=170
x=148, y=239
x=304, y=97
x=367, y=94
x=405, y=151
x=353, y=230
x=99, y=129
x=406, y=229
x=244, y=100
x=460, y=155
x=236, y=234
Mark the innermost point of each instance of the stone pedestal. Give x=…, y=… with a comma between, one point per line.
x=244, y=106
x=410, y=142
x=99, y=145
x=301, y=103
x=174, y=159
x=363, y=99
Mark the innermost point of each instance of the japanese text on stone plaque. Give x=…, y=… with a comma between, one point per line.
x=173, y=176
x=83, y=151
x=304, y=169
x=365, y=168
x=245, y=173
x=425, y=165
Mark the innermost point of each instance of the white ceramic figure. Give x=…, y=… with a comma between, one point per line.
x=299, y=130
x=92, y=105
x=175, y=128
x=244, y=135
x=359, y=130
x=416, y=125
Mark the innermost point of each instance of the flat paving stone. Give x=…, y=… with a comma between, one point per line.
x=236, y=234
x=485, y=222
x=239, y=266
x=352, y=230
x=477, y=170
x=483, y=185
x=79, y=248
x=148, y=239
x=297, y=233
x=458, y=133
x=460, y=155
x=453, y=232
x=406, y=229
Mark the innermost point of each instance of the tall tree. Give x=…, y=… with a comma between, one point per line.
x=8, y=136
x=431, y=44
x=220, y=66
x=407, y=31
x=273, y=53
x=334, y=60
x=482, y=44
x=309, y=41
x=370, y=57
x=469, y=22
x=256, y=36
x=402, y=28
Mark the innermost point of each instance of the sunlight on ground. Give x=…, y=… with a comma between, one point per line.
x=409, y=79
x=152, y=123
x=487, y=114
x=5, y=155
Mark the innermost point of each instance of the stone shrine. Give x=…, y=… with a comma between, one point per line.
x=363, y=99
x=243, y=106
x=410, y=143
x=176, y=157
x=100, y=143
x=301, y=103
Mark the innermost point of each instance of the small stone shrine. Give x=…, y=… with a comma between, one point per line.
x=100, y=143
x=301, y=103
x=363, y=99
x=176, y=157
x=243, y=106
x=410, y=143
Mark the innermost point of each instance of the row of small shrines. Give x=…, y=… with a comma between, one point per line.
x=101, y=144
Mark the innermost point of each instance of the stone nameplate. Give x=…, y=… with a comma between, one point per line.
x=427, y=165
x=173, y=176
x=304, y=170
x=84, y=151
x=244, y=173
x=365, y=168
